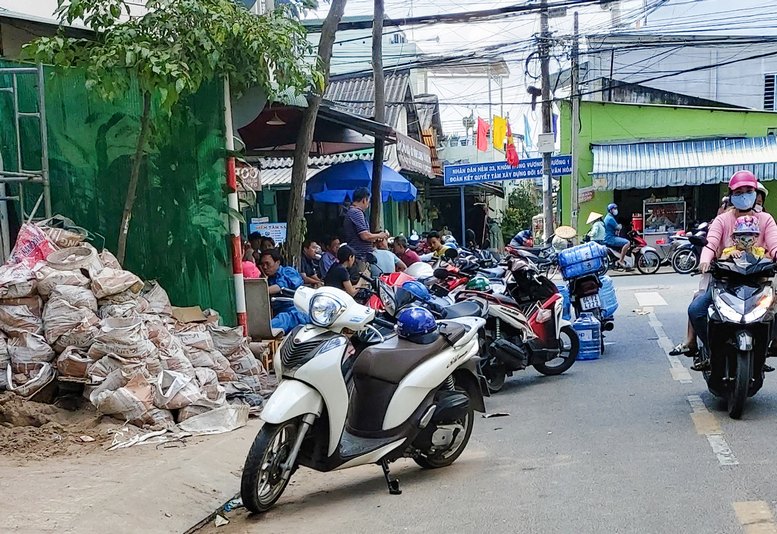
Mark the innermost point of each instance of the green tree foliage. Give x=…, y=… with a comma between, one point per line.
x=521, y=207
x=171, y=51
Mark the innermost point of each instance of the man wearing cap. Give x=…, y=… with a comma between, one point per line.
x=597, y=231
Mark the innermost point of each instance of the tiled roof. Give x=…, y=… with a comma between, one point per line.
x=357, y=95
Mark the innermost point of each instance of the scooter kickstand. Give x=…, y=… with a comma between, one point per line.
x=393, y=484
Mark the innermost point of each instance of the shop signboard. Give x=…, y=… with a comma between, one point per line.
x=275, y=230
x=249, y=176
x=585, y=194
x=494, y=171
x=414, y=155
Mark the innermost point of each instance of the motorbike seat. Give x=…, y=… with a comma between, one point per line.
x=493, y=273
x=467, y=308
x=396, y=358
x=503, y=299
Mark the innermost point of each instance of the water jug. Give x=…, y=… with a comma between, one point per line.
x=589, y=332
x=608, y=297
x=566, y=308
x=582, y=259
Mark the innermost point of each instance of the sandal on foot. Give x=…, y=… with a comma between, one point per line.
x=701, y=365
x=768, y=368
x=682, y=348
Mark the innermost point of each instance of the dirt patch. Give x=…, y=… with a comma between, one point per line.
x=33, y=431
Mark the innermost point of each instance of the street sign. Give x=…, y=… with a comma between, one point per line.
x=275, y=230
x=495, y=171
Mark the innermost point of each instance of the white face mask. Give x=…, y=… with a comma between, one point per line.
x=614, y=213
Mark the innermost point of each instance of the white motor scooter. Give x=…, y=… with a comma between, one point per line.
x=408, y=399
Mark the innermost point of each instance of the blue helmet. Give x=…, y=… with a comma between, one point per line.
x=419, y=291
x=417, y=324
x=612, y=206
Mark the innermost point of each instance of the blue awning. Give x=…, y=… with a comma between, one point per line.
x=682, y=163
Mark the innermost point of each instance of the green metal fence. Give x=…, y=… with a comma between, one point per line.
x=178, y=233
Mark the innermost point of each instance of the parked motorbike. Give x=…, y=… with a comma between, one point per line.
x=525, y=327
x=685, y=258
x=740, y=328
x=645, y=258
x=408, y=400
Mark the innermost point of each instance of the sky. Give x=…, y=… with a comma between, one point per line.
x=515, y=35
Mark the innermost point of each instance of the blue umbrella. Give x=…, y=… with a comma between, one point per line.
x=335, y=184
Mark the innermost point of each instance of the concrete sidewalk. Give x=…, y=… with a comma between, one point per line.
x=146, y=488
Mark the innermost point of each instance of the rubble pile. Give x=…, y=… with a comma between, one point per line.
x=69, y=314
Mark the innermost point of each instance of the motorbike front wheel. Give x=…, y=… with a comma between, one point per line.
x=738, y=394
x=649, y=262
x=569, y=347
x=684, y=261
x=262, y=483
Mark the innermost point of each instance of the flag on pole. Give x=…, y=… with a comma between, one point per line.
x=511, y=153
x=499, y=133
x=482, y=136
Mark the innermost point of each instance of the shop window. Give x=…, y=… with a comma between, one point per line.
x=769, y=92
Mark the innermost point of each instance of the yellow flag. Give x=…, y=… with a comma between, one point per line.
x=499, y=132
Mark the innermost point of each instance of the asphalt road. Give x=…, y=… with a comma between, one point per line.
x=632, y=442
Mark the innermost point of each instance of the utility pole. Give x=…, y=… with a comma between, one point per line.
x=574, y=90
x=546, y=144
x=376, y=204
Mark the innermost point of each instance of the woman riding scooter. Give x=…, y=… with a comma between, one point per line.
x=742, y=193
x=597, y=232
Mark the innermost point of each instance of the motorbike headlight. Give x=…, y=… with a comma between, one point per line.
x=764, y=303
x=324, y=310
x=726, y=311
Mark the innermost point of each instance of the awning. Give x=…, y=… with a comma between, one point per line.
x=682, y=163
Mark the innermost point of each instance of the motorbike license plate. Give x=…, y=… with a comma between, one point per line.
x=591, y=302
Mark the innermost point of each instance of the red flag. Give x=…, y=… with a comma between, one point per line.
x=511, y=153
x=482, y=137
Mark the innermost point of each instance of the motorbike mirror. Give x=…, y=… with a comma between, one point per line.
x=451, y=253
x=370, y=258
x=441, y=273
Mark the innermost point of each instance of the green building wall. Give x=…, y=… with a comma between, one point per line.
x=178, y=232
x=605, y=122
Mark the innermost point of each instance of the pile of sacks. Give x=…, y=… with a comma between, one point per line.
x=76, y=314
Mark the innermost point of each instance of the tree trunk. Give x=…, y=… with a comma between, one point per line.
x=376, y=204
x=296, y=215
x=132, y=188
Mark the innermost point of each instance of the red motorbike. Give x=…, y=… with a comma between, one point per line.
x=639, y=254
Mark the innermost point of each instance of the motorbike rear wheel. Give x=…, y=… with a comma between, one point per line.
x=570, y=346
x=684, y=261
x=262, y=483
x=649, y=262
x=738, y=394
x=446, y=458
x=494, y=373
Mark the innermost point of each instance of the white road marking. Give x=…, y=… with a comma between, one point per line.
x=678, y=370
x=650, y=298
x=707, y=424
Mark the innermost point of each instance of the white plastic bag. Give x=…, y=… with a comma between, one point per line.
x=60, y=317
x=18, y=316
x=175, y=390
x=125, y=337
x=111, y=281
x=49, y=278
x=27, y=350
x=42, y=374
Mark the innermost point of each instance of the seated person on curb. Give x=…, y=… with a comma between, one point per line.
x=611, y=237
x=743, y=224
x=435, y=245
x=387, y=261
x=338, y=275
x=329, y=257
x=403, y=252
x=285, y=315
x=310, y=265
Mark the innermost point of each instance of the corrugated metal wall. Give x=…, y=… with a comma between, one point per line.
x=178, y=232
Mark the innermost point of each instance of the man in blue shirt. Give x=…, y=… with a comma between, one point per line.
x=285, y=315
x=611, y=237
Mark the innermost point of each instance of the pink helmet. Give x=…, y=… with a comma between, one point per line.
x=743, y=179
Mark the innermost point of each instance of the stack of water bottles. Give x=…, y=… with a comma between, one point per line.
x=581, y=260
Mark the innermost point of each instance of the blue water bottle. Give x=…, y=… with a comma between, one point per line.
x=589, y=332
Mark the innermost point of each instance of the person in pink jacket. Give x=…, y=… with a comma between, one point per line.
x=742, y=195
